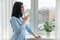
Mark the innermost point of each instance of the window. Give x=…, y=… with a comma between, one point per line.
x=46, y=12
x=46, y=4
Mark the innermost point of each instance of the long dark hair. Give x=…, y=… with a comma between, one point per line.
x=16, y=11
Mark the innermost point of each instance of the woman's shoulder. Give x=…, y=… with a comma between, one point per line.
x=13, y=18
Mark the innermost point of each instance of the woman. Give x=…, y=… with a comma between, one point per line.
x=18, y=22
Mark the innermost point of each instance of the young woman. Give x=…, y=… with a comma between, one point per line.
x=18, y=23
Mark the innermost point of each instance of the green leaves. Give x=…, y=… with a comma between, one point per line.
x=48, y=27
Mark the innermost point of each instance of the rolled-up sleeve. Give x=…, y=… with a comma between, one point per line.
x=29, y=29
x=16, y=26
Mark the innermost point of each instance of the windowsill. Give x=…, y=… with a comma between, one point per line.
x=43, y=37
x=52, y=37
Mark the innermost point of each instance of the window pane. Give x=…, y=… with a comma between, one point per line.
x=46, y=12
x=46, y=4
x=27, y=3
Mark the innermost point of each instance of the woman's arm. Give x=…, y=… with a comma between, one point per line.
x=30, y=31
x=36, y=36
x=28, y=28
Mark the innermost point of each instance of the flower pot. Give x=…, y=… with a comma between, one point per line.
x=48, y=34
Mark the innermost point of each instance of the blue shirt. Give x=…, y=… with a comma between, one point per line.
x=19, y=29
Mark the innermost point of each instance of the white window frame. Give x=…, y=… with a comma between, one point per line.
x=34, y=14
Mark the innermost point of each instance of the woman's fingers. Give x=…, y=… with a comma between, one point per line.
x=27, y=16
x=25, y=19
x=38, y=37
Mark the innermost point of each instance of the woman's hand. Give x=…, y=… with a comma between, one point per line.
x=25, y=19
x=36, y=36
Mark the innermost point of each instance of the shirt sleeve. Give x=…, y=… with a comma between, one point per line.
x=16, y=26
x=29, y=29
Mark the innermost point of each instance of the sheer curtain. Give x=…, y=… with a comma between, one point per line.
x=1, y=20
x=5, y=13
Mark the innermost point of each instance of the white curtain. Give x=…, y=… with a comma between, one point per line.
x=1, y=20
x=5, y=14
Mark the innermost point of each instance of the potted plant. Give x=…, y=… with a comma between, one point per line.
x=48, y=27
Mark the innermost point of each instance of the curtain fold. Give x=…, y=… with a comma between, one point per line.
x=9, y=11
x=5, y=14
x=1, y=20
